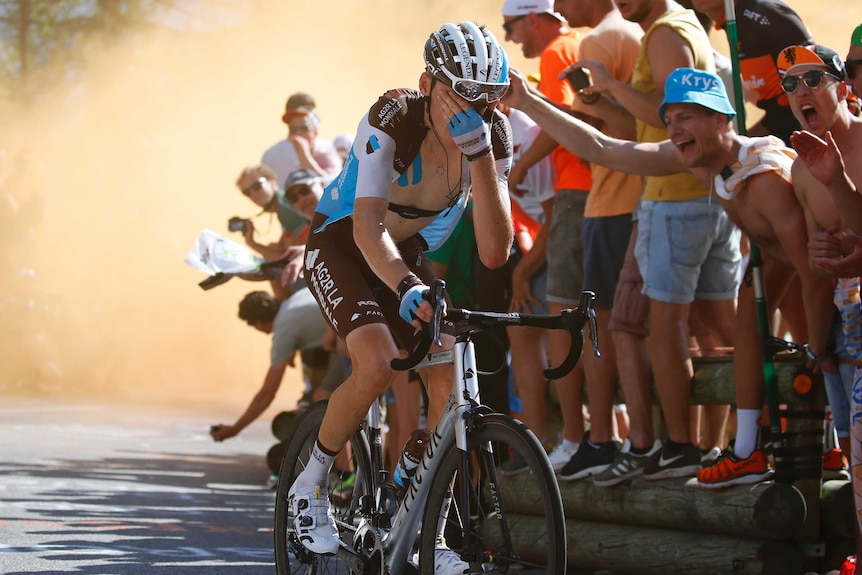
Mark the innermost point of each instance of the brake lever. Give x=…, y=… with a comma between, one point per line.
x=594, y=332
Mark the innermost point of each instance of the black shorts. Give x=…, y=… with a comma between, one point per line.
x=347, y=290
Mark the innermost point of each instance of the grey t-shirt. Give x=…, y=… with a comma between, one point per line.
x=298, y=325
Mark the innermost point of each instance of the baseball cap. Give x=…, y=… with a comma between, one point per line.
x=690, y=86
x=300, y=177
x=300, y=99
x=811, y=54
x=856, y=37
x=524, y=7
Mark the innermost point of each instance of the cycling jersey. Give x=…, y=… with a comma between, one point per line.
x=385, y=156
x=764, y=29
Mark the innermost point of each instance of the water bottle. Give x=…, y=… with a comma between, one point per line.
x=409, y=460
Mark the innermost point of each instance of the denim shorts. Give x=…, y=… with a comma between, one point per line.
x=839, y=386
x=687, y=249
x=565, y=249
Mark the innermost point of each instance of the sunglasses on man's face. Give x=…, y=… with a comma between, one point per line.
x=255, y=187
x=507, y=26
x=296, y=192
x=850, y=66
x=812, y=79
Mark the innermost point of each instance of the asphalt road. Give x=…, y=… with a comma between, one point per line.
x=121, y=489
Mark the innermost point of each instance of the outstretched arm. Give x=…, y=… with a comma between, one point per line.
x=588, y=143
x=258, y=405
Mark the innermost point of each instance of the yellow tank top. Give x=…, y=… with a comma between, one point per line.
x=678, y=187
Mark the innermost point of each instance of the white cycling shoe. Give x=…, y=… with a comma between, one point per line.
x=312, y=519
x=446, y=561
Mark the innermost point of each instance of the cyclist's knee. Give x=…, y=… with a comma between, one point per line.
x=373, y=375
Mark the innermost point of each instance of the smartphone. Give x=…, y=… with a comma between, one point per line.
x=236, y=224
x=579, y=79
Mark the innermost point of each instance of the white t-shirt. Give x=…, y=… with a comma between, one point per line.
x=282, y=158
x=540, y=180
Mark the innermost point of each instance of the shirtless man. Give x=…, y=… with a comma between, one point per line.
x=750, y=178
x=813, y=77
x=417, y=157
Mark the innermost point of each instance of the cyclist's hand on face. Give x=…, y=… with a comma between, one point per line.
x=467, y=127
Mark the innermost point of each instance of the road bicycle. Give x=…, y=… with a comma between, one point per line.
x=497, y=522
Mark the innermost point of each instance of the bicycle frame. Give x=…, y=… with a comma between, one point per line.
x=398, y=543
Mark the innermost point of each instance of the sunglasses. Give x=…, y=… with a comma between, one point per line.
x=473, y=90
x=850, y=66
x=507, y=26
x=812, y=79
x=255, y=187
x=296, y=192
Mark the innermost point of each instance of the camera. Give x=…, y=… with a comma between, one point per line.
x=579, y=79
x=236, y=224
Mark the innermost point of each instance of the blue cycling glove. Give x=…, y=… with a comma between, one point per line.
x=471, y=133
x=410, y=302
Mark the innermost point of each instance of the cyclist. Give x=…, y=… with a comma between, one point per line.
x=416, y=158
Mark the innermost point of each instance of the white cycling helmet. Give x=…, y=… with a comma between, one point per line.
x=470, y=60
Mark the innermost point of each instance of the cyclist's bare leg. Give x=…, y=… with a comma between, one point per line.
x=371, y=349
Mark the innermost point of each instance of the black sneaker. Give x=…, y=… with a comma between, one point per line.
x=589, y=460
x=685, y=463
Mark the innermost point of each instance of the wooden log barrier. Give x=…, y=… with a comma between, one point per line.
x=714, y=384
x=655, y=551
x=763, y=511
x=836, y=512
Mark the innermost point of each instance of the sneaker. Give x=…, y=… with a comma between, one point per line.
x=626, y=465
x=561, y=455
x=833, y=465
x=730, y=470
x=589, y=459
x=312, y=519
x=709, y=456
x=849, y=566
x=686, y=463
x=446, y=561
x=516, y=464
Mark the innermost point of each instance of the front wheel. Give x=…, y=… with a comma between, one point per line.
x=499, y=522
x=349, y=480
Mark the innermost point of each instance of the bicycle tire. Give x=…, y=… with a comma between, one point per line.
x=538, y=542
x=290, y=557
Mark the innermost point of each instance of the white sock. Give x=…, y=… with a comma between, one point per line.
x=570, y=445
x=746, y=432
x=317, y=469
x=444, y=515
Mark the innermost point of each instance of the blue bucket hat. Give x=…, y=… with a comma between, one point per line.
x=690, y=86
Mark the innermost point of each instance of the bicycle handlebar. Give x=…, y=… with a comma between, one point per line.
x=571, y=320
